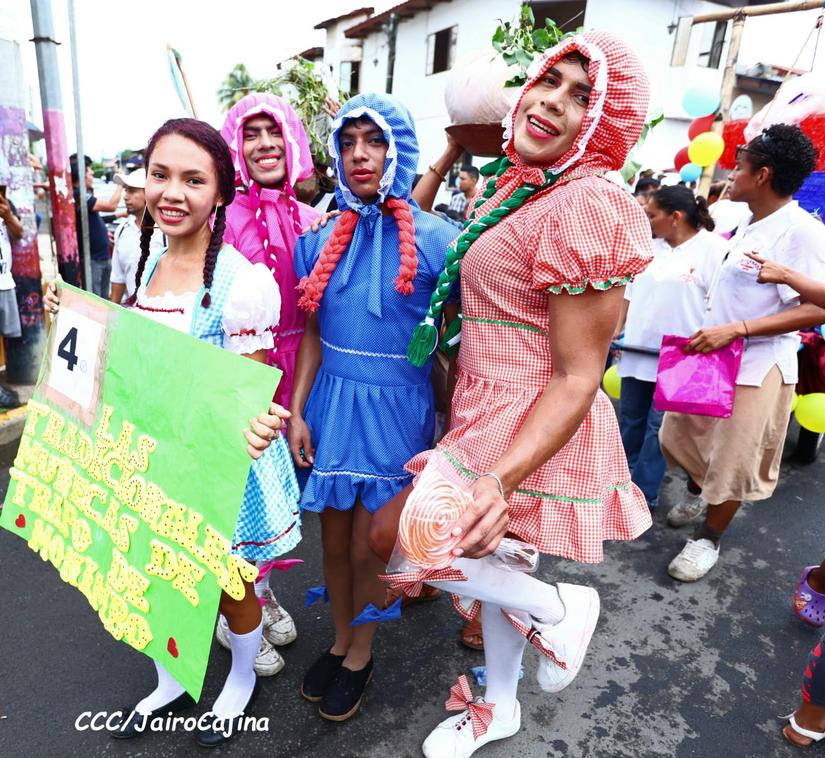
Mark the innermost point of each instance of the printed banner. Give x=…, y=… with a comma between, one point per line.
x=131, y=472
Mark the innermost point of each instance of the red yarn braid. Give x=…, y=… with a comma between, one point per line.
x=406, y=239
x=313, y=286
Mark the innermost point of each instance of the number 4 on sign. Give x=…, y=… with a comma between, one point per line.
x=76, y=354
x=67, y=349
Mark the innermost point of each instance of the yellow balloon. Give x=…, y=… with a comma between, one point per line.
x=810, y=412
x=612, y=382
x=706, y=148
x=795, y=402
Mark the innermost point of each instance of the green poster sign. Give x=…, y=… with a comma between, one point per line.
x=131, y=472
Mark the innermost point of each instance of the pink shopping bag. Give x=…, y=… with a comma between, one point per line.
x=700, y=383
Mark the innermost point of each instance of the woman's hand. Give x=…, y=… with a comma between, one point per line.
x=770, y=272
x=264, y=429
x=321, y=221
x=484, y=523
x=300, y=443
x=713, y=337
x=51, y=300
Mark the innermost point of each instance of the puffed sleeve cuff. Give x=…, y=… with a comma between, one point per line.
x=252, y=311
x=601, y=240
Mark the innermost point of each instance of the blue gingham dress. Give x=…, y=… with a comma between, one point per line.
x=269, y=522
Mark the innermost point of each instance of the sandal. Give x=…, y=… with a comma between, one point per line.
x=428, y=593
x=808, y=604
x=472, y=636
x=811, y=735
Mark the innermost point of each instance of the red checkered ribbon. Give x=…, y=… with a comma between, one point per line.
x=533, y=636
x=411, y=583
x=461, y=699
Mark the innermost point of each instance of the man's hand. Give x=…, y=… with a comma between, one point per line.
x=484, y=523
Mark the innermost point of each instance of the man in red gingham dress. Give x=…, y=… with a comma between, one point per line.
x=532, y=435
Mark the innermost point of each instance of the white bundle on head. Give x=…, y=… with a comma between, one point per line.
x=475, y=91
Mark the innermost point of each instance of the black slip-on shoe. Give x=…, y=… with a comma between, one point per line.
x=319, y=676
x=134, y=724
x=345, y=693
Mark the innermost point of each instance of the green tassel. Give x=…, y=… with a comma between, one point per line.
x=423, y=344
x=449, y=345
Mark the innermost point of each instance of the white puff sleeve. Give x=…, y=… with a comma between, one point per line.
x=252, y=310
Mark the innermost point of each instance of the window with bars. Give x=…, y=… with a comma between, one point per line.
x=349, y=76
x=441, y=50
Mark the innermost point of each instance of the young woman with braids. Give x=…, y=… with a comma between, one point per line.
x=359, y=409
x=270, y=152
x=201, y=286
x=668, y=298
x=544, y=260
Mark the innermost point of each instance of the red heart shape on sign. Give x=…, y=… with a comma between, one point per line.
x=20, y=521
x=172, y=647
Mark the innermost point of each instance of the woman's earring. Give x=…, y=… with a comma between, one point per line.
x=212, y=216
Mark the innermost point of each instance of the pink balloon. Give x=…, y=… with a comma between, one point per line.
x=681, y=159
x=699, y=125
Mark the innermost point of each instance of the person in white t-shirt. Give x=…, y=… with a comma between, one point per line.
x=127, y=237
x=668, y=297
x=737, y=458
x=11, y=228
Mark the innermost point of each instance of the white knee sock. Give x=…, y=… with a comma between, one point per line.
x=241, y=680
x=166, y=691
x=489, y=582
x=262, y=586
x=503, y=649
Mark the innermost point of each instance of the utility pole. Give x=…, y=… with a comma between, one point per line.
x=60, y=178
x=392, y=35
x=23, y=354
x=738, y=15
x=86, y=252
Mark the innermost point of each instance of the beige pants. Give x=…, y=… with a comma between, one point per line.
x=734, y=458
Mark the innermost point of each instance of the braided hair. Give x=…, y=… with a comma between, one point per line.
x=425, y=336
x=313, y=286
x=206, y=137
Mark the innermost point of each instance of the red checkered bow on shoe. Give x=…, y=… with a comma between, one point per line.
x=461, y=699
x=533, y=636
x=411, y=583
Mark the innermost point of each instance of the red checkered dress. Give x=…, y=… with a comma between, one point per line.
x=582, y=232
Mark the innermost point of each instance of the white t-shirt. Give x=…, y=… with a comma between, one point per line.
x=792, y=237
x=127, y=254
x=728, y=215
x=6, y=279
x=668, y=297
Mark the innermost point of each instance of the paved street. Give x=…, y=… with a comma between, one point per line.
x=674, y=670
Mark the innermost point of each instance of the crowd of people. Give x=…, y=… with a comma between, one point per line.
x=549, y=264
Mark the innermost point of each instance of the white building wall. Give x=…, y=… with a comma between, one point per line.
x=338, y=47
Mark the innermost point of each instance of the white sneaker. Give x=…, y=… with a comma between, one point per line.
x=268, y=661
x=696, y=559
x=453, y=737
x=279, y=628
x=569, y=638
x=687, y=512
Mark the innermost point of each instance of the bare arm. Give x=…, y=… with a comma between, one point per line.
x=622, y=319
x=581, y=327
x=713, y=337
x=306, y=367
x=770, y=272
x=427, y=187
x=13, y=224
x=116, y=295
x=106, y=206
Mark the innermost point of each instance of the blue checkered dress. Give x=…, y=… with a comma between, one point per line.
x=269, y=522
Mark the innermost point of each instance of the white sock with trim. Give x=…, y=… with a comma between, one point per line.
x=503, y=651
x=166, y=691
x=490, y=582
x=241, y=680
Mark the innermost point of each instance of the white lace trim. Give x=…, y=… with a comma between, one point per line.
x=320, y=472
x=392, y=153
x=363, y=353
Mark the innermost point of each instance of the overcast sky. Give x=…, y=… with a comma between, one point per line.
x=126, y=90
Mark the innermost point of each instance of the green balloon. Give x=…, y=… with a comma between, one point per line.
x=810, y=412
x=612, y=382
